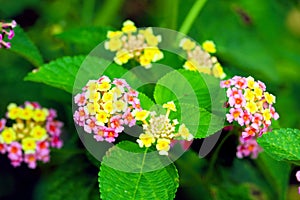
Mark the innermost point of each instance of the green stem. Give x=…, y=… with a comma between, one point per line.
x=191, y=17
x=87, y=11
x=108, y=12
x=215, y=157
x=169, y=10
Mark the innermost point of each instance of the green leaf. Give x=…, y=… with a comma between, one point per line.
x=22, y=45
x=146, y=102
x=198, y=98
x=275, y=172
x=192, y=88
x=206, y=125
x=85, y=38
x=66, y=72
x=131, y=172
x=74, y=179
x=282, y=144
x=182, y=86
x=242, y=192
x=244, y=172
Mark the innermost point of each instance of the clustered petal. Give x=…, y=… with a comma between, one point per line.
x=251, y=106
x=7, y=31
x=105, y=107
x=131, y=43
x=200, y=59
x=160, y=131
x=33, y=131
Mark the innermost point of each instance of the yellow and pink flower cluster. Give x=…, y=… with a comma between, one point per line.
x=251, y=106
x=105, y=106
x=160, y=131
x=200, y=59
x=32, y=132
x=130, y=43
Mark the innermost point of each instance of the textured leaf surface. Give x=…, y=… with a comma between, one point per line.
x=64, y=72
x=183, y=86
x=22, y=45
x=135, y=180
x=282, y=144
x=198, y=100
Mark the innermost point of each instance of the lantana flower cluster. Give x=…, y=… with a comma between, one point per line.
x=7, y=32
x=251, y=106
x=32, y=132
x=105, y=107
x=159, y=130
x=130, y=43
x=199, y=58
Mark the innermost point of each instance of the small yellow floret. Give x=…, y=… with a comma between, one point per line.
x=28, y=145
x=8, y=135
x=141, y=115
x=145, y=140
x=170, y=106
x=128, y=27
x=209, y=46
x=163, y=146
x=187, y=44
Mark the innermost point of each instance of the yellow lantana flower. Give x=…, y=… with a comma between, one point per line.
x=102, y=117
x=28, y=144
x=251, y=107
x=122, y=57
x=38, y=133
x=104, y=86
x=128, y=27
x=26, y=113
x=8, y=135
x=187, y=44
x=170, y=106
x=145, y=140
x=209, y=46
x=40, y=115
x=185, y=133
x=269, y=98
x=141, y=115
x=14, y=111
x=163, y=146
x=190, y=65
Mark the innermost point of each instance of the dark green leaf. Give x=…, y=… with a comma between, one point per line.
x=22, y=45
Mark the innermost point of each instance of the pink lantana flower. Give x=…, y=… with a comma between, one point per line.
x=104, y=107
x=30, y=159
x=250, y=106
x=248, y=147
x=90, y=125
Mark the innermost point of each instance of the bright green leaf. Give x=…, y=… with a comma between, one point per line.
x=282, y=144
x=22, y=45
x=131, y=172
x=146, y=102
x=64, y=72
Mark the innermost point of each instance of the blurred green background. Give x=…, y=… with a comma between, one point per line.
x=257, y=38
